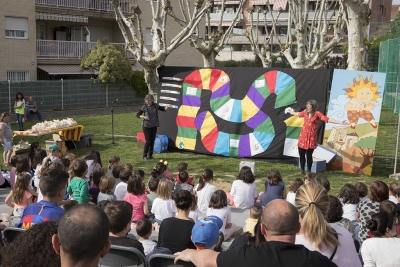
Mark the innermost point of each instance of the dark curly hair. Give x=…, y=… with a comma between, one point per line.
x=246, y=175
x=32, y=247
x=379, y=222
x=295, y=185
x=335, y=210
x=349, y=194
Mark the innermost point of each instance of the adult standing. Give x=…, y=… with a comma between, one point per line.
x=31, y=108
x=19, y=107
x=6, y=136
x=149, y=114
x=308, y=135
x=280, y=223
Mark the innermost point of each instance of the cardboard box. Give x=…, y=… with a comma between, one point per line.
x=61, y=144
x=319, y=165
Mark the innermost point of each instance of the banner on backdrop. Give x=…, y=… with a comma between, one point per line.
x=356, y=96
x=237, y=112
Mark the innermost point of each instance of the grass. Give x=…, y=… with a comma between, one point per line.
x=225, y=169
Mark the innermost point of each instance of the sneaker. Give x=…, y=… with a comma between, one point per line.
x=144, y=158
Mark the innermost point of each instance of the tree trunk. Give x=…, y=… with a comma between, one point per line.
x=209, y=59
x=357, y=18
x=151, y=79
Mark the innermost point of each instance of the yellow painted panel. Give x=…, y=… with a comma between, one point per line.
x=208, y=125
x=249, y=109
x=188, y=111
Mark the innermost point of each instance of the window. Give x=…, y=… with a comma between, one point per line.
x=16, y=27
x=283, y=30
x=18, y=75
x=149, y=37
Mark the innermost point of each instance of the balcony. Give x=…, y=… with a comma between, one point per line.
x=285, y=15
x=67, y=49
x=87, y=5
x=226, y=16
x=242, y=39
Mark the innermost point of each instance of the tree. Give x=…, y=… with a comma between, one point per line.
x=108, y=62
x=309, y=33
x=367, y=143
x=216, y=39
x=357, y=19
x=151, y=59
x=264, y=51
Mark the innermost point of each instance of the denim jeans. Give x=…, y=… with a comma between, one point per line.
x=29, y=112
x=20, y=119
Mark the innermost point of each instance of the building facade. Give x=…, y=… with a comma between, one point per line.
x=45, y=39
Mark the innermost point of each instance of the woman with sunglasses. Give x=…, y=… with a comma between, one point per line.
x=6, y=137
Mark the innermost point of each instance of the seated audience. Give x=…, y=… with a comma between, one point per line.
x=20, y=196
x=334, y=242
x=322, y=180
x=163, y=206
x=94, y=188
x=219, y=207
x=31, y=108
x=362, y=191
x=255, y=215
x=153, y=184
x=175, y=231
x=349, y=197
x=392, y=195
x=115, y=172
x=195, y=214
x=243, y=193
x=32, y=248
x=293, y=189
x=137, y=198
x=274, y=187
x=122, y=188
x=391, y=208
x=113, y=162
x=78, y=186
x=397, y=194
x=144, y=228
x=183, y=167
x=383, y=248
x=309, y=177
x=205, y=232
x=204, y=190
x=334, y=216
x=183, y=183
x=280, y=223
x=379, y=192
x=52, y=184
x=107, y=184
x=128, y=166
x=93, y=161
x=119, y=215
x=82, y=236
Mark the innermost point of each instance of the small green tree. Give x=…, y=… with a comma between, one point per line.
x=108, y=63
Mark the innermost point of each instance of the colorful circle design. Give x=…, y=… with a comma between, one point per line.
x=246, y=110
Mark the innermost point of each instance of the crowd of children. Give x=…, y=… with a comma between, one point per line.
x=41, y=185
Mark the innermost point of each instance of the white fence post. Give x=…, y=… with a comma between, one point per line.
x=62, y=94
x=9, y=96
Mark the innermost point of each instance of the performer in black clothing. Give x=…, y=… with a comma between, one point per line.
x=149, y=114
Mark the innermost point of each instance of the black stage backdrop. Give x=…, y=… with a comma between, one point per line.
x=309, y=84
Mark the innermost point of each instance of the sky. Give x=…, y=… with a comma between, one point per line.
x=396, y=2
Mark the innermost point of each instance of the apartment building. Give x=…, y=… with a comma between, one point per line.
x=238, y=46
x=45, y=39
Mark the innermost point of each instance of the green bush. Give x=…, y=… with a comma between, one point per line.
x=139, y=84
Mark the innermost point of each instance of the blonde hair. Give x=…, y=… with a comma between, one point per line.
x=312, y=203
x=106, y=184
x=164, y=189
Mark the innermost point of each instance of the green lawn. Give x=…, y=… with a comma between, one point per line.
x=127, y=125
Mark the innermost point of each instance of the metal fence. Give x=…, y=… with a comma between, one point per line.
x=67, y=94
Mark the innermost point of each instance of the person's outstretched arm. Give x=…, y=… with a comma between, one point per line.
x=338, y=122
x=200, y=258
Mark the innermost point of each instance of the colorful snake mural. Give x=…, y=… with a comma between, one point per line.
x=246, y=111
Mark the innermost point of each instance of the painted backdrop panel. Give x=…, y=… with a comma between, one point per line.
x=356, y=96
x=236, y=112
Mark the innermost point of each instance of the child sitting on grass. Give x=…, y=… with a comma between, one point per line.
x=121, y=188
x=113, y=161
x=144, y=228
x=183, y=183
x=20, y=194
x=195, y=214
x=255, y=215
x=136, y=197
x=78, y=185
x=183, y=167
x=94, y=189
x=163, y=206
x=293, y=189
x=107, y=183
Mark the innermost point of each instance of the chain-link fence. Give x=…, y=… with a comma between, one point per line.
x=67, y=94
